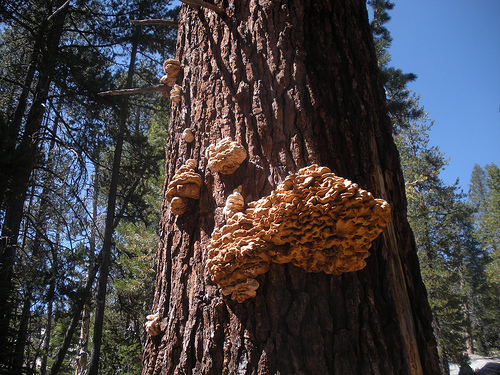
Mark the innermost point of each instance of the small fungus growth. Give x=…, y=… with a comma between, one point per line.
x=153, y=324
x=185, y=184
x=225, y=156
x=176, y=94
x=234, y=203
x=314, y=219
x=188, y=135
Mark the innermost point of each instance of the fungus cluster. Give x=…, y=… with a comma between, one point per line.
x=185, y=184
x=176, y=94
x=314, y=219
x=225, y=156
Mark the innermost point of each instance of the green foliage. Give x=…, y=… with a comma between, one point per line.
x=484, y=194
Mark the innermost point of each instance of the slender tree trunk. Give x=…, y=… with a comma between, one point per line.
x=28, y=148
x=81, y=360
x=296, y=83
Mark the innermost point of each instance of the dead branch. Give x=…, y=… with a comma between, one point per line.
x=155, y=22
x=204, y=4
x=140, y=90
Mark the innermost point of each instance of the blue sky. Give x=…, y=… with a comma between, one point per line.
x=454, y=48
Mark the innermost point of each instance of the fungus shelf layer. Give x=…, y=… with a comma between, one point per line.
x=314, y=219
x=225, y=156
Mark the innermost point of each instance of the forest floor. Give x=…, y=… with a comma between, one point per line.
x=476, y=363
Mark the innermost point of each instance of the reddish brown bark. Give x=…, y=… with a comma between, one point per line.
x=296, y=82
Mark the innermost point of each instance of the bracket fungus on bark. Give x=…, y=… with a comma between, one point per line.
x=172, y=69
x=314, y=219
x=225, y=156
x=185, y=184
x=176, y=94
x=242, y=291
x=153, y=324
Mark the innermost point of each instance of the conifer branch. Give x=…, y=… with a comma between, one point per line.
x=204, y=4
x=155, y=22
x=141, y=90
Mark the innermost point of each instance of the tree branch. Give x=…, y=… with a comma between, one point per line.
x=155, y=22
x=204, y=4
x=140, y=90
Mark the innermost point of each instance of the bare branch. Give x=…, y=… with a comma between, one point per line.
x=59, y=10
x=140, y=90
x=204, y=4
x=155, y=22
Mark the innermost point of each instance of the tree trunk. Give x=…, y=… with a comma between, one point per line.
x=296, y=83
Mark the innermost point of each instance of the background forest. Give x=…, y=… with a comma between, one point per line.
x=81, y=187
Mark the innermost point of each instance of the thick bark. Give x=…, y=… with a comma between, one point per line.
x=296, y=82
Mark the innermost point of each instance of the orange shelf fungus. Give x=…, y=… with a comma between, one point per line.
x=153, y=325
x=225, y=156
x=314, y=219
x=185, y=185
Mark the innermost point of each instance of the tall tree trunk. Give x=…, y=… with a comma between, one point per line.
x=28, y=148
x=296, y=83
x=110, y=221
